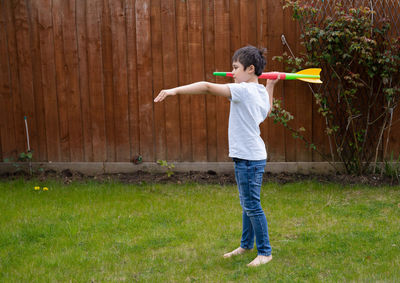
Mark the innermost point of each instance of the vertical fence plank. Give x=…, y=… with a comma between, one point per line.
x=49, y=81
x=183, y=78
x=222, y=63
x=95, y=80
x=244, y=22
x=209, y=67
x=108, y=84
x=276, y=138
x=132, y=78
x=196, y=57
x=144, y=73
x=7, y=136
x=61, y=83
x=120, y=81
x=22, y=29
x=252, y=15
x=159, y=108
x=248, y=22
x=4, y=92
x=14, y=81
x=41, y=152
x=69, y=28
x=1, y=147
x=291, y=87
x=303, y=101
x=319, y=136
x=83, y=72
x=170, y=78
x=234, y=26
x=304, y=114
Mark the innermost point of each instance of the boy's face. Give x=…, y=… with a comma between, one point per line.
x=240, y=74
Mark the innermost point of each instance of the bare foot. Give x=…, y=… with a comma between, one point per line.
x=260, y=259
x=238, y=251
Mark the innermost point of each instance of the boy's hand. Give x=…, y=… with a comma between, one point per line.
x=273, y=82
x=163, y=94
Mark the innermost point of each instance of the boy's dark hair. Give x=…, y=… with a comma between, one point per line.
x=250, y=55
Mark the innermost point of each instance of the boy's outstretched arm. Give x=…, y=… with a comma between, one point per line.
x=196, y=88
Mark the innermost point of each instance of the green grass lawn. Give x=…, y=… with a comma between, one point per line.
x=96, y=232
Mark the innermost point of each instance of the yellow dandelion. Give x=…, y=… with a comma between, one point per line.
x=45, y=189
x=37, y=188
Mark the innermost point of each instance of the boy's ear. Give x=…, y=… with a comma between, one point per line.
x=251, y=69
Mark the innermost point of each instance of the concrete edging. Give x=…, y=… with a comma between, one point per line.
x=93, y=168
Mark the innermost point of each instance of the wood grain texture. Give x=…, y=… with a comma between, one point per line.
x=85, y=73
x=108, y=82
x=95, y=80
x=6, y=93
x=120, y=81
x=170, y=76
x=184, y=78
x=61, y=82
x=160, y=142
x=49, y=83
x=276, y=136
x=223, y=57
x=71, y=78
x=209, y=67
x=196, y=62
x=144, y=78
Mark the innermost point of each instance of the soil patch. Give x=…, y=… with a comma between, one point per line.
x=210, y=177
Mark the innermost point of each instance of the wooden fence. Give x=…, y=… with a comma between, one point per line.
x=85, y=73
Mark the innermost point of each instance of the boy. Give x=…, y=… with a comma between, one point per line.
x=250, y=105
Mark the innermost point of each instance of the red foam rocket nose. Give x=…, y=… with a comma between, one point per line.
x=272, y=75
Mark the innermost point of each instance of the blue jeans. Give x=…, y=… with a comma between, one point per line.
x=249, y=176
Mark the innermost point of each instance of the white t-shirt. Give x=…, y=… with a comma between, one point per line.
x=249, y=107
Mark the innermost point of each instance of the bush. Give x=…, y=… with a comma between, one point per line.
x=361, y=63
